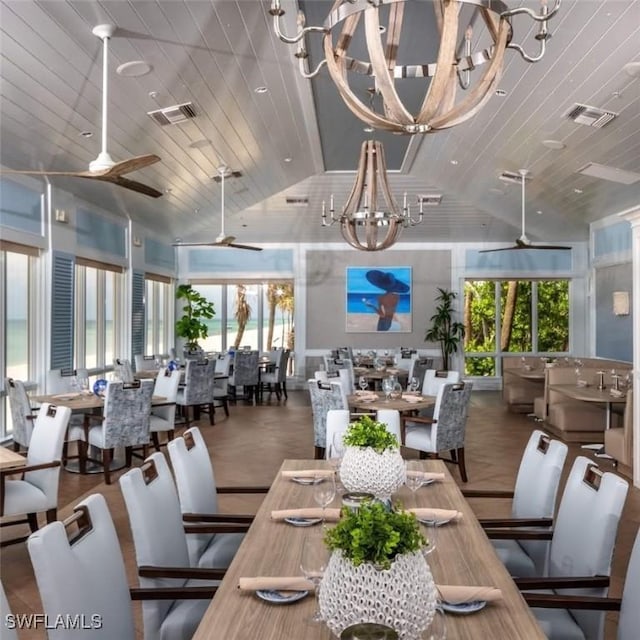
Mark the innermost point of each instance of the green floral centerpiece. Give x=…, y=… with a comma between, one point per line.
x=372, y=462
x=377, y=573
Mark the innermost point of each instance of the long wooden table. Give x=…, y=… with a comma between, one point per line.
x=590, y=394
x=10, y=459
x=463, y=556
x=399, y=404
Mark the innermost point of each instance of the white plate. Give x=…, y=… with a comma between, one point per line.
x=307, y=480
x=281, y=597
x=427, y=481
x=437, y=523
x=463, y=607
x=303, y=522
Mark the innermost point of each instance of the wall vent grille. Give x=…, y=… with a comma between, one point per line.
x=173, y=115
x=590, y=116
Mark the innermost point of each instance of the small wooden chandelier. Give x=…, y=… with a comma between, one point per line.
x=364, y=224
x=457, y=58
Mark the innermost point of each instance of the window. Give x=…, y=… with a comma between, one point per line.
x=513, y=317
x=158, y=314
x=20, y=306
x=98, y=292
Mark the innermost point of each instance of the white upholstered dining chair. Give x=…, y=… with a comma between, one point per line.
x=22, y=415
x=163, y=417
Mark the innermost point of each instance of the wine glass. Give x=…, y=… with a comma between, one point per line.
x=413, y=475
x=387, y=387
x=437, y=630
x=313, y=562
x=362, y=383
x=336, y=450
x=324, y=491
x=83, y=384
x=431, y=534
x=414, y=383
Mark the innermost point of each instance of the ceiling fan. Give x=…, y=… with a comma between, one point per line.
x=222, y=240
x=104, y=167
x=523, y=242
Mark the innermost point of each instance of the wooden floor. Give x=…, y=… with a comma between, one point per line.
x=248, y=448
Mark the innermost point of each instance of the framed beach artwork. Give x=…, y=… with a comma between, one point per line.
x=378, y=299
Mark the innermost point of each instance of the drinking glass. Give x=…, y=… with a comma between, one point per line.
x=313, y=563
x=437, y=630
x=324, y=491
x=362, y=383
x=413, y=474
x=414, y=383
x=336, y=450
x=431, y=534
x=83, y=384
x=387, y=387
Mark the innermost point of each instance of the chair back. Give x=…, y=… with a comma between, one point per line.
x=342, y=377
x=62, y=380
x=7, y=632
x=450, y=414
x=46, y=446
x=585, y=533
x=122, y=369
x=324, y=396
x=198, y=382
x=433, y=380
x=245, y=368
x=390, y=418
x=281, y=373
x=344, y=353
x=21, y=415
x=629, y=620
x=79, y=570
x=157, y=530
x=195, y=482
x=337, y=424
x=223, y=364
x=145, y=363
x=536, y=489
x=127, y=407
x=338, y=364
x=166, y=386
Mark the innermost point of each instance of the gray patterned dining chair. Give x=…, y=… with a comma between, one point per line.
x=324, y=396
x=124, y=423
x=445, y=431
x=274, y=380
x=245, y=374
x=197, y=391
x=22, y=416
x=122, y=369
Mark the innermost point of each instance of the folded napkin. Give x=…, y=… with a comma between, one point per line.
x=427, y=475
x=332, y=515
x=392, y=370
x=277, y=583
x=66, y=396
x=365, y=394
x=411, y=397
x=436, y=514
x=616, y=393
x=582, y=383
x=454, y=594
x=307, y=473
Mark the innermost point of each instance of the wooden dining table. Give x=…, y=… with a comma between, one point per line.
x=11, y=459
x=591, y=394
x=402, y=405
x=463, y=556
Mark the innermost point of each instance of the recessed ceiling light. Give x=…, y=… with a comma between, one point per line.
x=501, y=92
x=539, y=212
x=368, y=129
x=86, y=134
x=382, y=28
x=633, y=69
x=576, y=190
x=261, y=89
x=153, y=94
x=288, y=159
x=134, y=69
x=556, y=145
x=168, y=190
x=454, y=162
x=196, y=210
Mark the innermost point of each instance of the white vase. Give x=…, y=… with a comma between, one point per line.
x=364, y=469
x=402, y=597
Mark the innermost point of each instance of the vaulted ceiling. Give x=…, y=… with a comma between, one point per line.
x=297, y=138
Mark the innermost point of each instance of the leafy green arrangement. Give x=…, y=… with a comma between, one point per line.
x=366, y=432
x=374, y=534
x=191, y=325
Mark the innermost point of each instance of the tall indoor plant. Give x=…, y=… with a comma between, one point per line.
x=444, y=329
x=197, y=308
x=377, y=572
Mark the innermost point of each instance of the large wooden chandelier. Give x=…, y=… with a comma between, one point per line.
x=457, y=66
x=370, y=219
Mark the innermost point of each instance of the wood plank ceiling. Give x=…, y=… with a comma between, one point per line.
x=216, y=53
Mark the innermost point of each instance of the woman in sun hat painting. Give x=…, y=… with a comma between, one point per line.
x=388, y=301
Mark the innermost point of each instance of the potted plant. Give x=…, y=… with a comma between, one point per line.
x=372, y=462
x=444, y=329
x=191, y=325
x=377, y=572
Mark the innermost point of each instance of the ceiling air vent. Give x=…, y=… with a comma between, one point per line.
x=513, y=176
x=173, y=115
x=612, y=174
x=430, y=199
x=590, y=116
x=297, y=201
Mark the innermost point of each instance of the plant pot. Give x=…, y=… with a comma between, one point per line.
x=402, y=597
x=364, y=470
